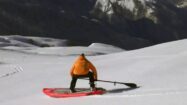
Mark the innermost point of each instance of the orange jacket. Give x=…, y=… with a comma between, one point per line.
x=82, y=67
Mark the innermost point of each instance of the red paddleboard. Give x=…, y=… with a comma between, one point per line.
x=65, y=92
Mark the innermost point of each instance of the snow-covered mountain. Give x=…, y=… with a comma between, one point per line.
x=21, y=41
x=154, y=20
x=179, y=3
x=135, y=9
x=160, y=71
x=128, y=24
x=131, y=9
x=50, y=46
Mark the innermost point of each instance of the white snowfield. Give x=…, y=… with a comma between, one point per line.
x=160, y=71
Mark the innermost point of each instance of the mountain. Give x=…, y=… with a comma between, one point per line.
x=154, y=20
x=129, y=24
x=50, y=46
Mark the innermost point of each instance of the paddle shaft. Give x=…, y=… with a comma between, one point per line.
x=132, y=85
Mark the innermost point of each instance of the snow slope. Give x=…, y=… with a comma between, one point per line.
x=21, y=41
x=160, y=71
x=49, y=46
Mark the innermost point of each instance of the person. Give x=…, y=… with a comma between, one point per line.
x=83, y=68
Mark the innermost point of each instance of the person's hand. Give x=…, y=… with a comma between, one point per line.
x=95, y=77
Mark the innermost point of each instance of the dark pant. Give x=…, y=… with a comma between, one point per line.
x=75, y=77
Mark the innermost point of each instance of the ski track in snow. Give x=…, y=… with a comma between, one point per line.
x=12, y=72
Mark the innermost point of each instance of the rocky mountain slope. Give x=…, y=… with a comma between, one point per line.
x=129, y=24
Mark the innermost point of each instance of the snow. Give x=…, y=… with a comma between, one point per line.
x=21, y=41
x=159, y=70
x=105, y=5
x=129, y=4
x=183, y=4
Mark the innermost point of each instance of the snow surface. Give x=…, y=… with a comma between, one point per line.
x=160, y=71
x=105, y=5
x=58, y=47
x=21, y=41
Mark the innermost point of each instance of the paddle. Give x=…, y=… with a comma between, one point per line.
x=131, y=85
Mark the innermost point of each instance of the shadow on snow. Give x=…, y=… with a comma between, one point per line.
x=120, y=90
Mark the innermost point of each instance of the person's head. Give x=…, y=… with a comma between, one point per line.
x=83, y=55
